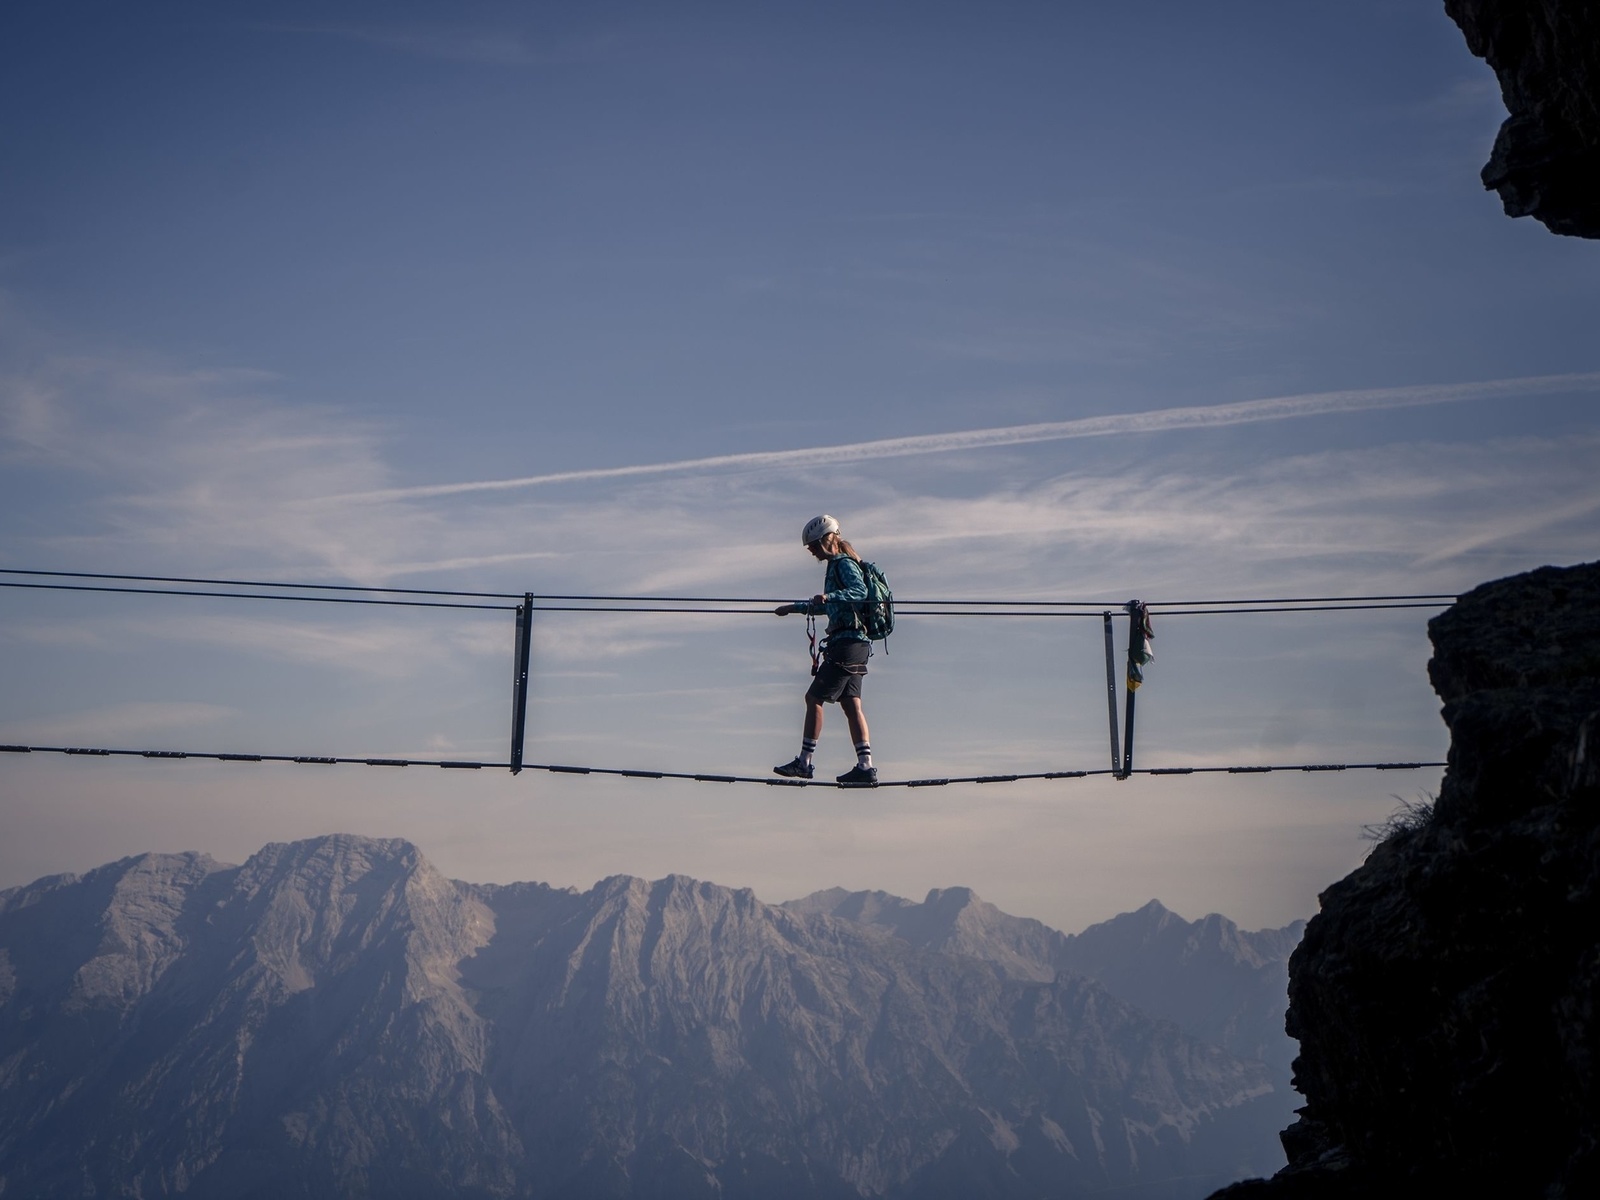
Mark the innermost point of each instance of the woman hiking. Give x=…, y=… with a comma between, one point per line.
x=844, y=652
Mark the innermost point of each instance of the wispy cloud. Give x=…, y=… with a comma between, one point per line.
x=117, y=721
x=1515, y=525
x=372, y=646
x=377, y=647
x=1165, y=420
x=466, y=562
x=169, y=464
x=209, y=473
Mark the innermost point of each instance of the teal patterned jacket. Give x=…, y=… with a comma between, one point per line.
x=843, y=588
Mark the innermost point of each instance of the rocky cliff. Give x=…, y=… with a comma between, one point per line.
x=335, y=1018
x=1546, y=158
x=1445, y=997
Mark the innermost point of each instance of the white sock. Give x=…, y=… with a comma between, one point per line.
x=808, y=747
x=863, y=755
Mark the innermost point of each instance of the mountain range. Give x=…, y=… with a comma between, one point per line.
x=334, y=1017
x=1219, y=983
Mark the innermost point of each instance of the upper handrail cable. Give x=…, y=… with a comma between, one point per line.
x=695, y=604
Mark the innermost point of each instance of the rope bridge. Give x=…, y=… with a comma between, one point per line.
x=529, y=603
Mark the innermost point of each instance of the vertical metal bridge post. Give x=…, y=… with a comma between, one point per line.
x=519, y=679
x=1135, y=613
x=1111, y=698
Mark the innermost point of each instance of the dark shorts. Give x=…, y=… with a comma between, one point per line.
x=844, y=663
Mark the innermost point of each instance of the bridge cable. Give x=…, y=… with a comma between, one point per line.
x=701, y=777
x=710, y=605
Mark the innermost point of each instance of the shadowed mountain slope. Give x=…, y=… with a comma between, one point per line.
x=1214, y=980
x=1221, y=983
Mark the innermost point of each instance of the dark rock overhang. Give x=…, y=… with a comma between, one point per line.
x=1546, y=159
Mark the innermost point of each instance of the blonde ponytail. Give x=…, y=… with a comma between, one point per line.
x=833, y=544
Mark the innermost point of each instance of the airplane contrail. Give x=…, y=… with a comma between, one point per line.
x=1159, y=420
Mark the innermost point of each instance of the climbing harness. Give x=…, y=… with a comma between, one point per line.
x=819, y=653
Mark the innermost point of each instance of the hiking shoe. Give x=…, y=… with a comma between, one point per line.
x=860, y=777
x=794, y=769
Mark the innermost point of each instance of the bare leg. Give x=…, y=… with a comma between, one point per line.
x=813, y=726
x=854, y=715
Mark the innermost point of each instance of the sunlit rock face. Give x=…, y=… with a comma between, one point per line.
x=1445, y=998
x=334, y=1018
x=1546, y=53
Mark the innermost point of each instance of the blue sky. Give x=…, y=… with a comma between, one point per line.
x=284, y=289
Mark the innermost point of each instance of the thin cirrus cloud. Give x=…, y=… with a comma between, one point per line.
x=1398, y=516
x=373, y=647
x=1164, y=420
x=134, y=719
x=1516, y=525
x=251, y=469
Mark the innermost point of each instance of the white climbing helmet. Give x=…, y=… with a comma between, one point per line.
x=818, y=528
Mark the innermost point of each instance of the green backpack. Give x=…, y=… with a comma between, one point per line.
x=875, y=614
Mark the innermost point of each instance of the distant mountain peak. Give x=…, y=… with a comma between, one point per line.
x=1214, y=980
x=343, y=850
x=951, y=897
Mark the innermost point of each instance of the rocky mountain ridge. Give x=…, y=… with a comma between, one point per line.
x=1215, y=981
x=336, y=1018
